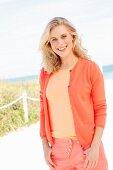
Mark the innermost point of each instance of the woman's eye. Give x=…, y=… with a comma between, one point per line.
x=64, y=36
x=54, y=39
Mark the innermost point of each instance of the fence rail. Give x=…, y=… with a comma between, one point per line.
x=24, y=97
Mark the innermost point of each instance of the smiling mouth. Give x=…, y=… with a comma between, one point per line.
x=62, y=49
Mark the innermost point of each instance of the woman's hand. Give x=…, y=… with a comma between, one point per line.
x=47, y=156
x=92, y=155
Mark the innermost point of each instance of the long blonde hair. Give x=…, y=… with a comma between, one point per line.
x=52, y=62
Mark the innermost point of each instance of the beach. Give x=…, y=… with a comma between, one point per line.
x=22, y=150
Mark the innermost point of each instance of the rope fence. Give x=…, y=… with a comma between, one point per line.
x=24, y=97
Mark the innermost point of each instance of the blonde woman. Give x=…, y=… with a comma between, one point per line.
x=72, y=101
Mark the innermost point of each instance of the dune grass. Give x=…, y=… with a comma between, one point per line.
x=12, y=118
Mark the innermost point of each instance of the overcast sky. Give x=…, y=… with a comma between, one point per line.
x=22, y=23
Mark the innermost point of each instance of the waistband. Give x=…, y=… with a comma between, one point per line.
x=67, y=140
x=71, y=141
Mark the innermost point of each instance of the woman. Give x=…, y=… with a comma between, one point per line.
x=72, y=101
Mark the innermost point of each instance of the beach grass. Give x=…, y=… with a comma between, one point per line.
x=12, y=117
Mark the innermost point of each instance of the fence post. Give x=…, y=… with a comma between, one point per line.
x=25, y=108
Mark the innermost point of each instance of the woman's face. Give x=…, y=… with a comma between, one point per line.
x=61, y=41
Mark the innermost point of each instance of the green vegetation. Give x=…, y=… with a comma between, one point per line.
x=12, y=117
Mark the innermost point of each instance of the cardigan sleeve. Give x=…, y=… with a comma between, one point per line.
x=42, y=115
x=98, y=95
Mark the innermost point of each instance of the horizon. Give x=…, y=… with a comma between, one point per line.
x=24, y=77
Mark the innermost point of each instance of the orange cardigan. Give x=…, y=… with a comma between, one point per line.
x=87, y=98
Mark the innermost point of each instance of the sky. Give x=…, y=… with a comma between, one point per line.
x=22, y=24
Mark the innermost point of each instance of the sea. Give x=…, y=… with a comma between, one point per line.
x=106, y=69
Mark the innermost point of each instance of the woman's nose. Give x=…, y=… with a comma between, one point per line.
x=60, y=42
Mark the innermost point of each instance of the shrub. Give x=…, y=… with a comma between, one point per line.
x=12, y=118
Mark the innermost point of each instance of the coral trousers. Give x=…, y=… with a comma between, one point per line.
x=68, y=154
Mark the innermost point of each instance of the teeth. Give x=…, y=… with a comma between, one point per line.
x=62, y=48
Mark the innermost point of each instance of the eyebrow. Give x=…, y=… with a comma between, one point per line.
x=52, y=38
x=60, y=35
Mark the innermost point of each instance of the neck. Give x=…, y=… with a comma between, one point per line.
x=68, y=62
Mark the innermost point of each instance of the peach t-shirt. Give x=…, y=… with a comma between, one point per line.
x=62, y=123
